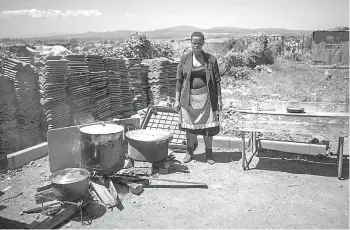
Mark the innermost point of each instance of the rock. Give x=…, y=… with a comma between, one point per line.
x=68, y=225
x=216, y=186
x=6, y=189
x=128, y=164
x=163, y=171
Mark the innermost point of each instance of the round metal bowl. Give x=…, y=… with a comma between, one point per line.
x=70, y=184
x=148, y=145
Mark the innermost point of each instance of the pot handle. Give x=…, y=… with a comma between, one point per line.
x=168, y=139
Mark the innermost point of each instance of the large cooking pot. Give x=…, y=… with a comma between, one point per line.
x=102, y=147
x=148, y=145
x=70, y=184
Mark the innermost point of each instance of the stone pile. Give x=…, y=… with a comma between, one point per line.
x=24, y=82
x=172, y=79
x=140, y=97
x=54, y=95
x=144, y=70
x=158, y=79
x=127, y=96
x=10, y=140
x=99, y=95
x=79, y=89
x=115, y=93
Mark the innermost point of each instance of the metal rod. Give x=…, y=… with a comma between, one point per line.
x=340, y=161
x=168, y=180
x=243, y=150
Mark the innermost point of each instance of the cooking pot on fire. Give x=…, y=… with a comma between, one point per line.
x=102, y=147
x=148, y=145
x=70, y=184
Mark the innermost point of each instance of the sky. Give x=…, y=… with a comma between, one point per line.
x=47, y=17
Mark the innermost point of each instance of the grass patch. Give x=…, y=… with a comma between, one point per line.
x=289, y=81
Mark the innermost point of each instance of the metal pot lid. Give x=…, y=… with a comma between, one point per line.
x=102, y=129
x=68, y=176
x=148, y=135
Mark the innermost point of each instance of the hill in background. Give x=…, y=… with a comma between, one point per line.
x=176, y=33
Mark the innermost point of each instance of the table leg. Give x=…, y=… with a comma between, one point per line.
x=340, y=157
x=254, y=148
x=243, y=150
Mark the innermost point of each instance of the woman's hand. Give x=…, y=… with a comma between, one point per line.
x=219, y=104
x=177, y=106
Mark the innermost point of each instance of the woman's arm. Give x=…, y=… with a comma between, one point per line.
x=219, y=89
x=179, y=83
x=179, y=79
x=217, y=77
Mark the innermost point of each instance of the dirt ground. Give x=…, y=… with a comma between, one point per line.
x=276, y=193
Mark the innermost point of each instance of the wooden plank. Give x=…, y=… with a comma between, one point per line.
x=35, y=223
x=293, y=127
x=43, y=188
x=42, y=208
x=282, y=118
x=103, y=194
x=113, y=191
x=134, y=188
x=283, y=105
x=308, y=114
x=45, y=196
x=142, y=164
x=60, y=217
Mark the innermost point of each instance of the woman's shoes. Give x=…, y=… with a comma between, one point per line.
x=209, y=156
x=189, y=155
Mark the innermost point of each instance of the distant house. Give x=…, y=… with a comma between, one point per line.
x=330, y=47
x=217, y=46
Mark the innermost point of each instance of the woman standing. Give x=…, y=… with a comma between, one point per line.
x=198, y=96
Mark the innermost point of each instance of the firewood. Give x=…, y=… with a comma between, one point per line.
x=43, y=188
x=142, y=164
x=67, y=212
x=103, y=194
x=134, y=188
x=113, y=191
x=38, y=221
x=45, y=196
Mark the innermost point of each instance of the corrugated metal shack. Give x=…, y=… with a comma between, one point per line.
x=216, y=46
x=330, y=47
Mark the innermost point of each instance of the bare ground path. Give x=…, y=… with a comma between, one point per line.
x=276, y=193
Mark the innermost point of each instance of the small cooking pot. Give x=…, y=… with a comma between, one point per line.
x=70, y=184
x=148, y=145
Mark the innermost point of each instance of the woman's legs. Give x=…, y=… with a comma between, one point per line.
x=208, y=141
x=190, y=139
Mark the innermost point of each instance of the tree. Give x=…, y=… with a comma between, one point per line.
x=137, y=45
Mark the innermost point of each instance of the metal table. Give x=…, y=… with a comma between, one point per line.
x=309, y=123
